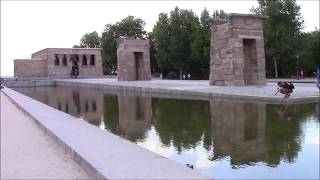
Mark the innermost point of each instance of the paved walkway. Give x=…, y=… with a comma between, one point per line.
x=27, y=152
x=302, y=91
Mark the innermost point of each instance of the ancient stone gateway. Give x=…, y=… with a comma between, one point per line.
x=133, y=59
x=237, y=51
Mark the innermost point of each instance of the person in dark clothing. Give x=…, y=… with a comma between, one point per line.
x=317, y=74
x=1, y=87
x=74, y=70
x=285, y=88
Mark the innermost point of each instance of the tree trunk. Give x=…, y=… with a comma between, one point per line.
x=275, y=68
x=180, y=73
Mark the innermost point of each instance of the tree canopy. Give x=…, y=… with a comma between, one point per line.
x=129, y=26
x=182, y=42
x=309, y=51
x=281, y=31
x=89, y=40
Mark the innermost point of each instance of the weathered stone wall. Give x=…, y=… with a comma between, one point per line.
x=42, y=54
x=62, y=70
x=237, y=51
x=29, y=68
x=133, y=59
x=64, y=57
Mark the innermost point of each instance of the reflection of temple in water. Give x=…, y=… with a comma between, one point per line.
x=85, y=103
x=238, y=131
x=135, y=115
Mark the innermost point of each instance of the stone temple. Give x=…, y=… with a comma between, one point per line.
x=237, y=51
x=57, y=62
x=133, y=59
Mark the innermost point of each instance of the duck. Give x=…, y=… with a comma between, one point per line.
x=190, y=166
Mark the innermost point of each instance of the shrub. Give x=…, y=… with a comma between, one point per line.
x=172, y=75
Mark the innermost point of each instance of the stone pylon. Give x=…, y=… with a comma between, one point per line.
x=237, y=51
x=133, y=59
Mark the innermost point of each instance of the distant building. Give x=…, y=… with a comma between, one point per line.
x=57, y=62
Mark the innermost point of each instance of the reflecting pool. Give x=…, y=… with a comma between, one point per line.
x=224, y=139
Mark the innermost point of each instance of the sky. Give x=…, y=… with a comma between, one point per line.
x=29, y=26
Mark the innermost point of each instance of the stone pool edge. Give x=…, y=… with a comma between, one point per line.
x=41, y=82
x=88, y=159
x=178, y=92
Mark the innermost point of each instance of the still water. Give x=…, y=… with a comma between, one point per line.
x=224, y=139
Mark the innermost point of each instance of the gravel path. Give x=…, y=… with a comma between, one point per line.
x=27, y=152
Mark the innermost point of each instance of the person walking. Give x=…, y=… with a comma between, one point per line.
x=301, y=74
x=317, y=74
x=74, y=70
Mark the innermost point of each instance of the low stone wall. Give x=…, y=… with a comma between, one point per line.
x=17, y=82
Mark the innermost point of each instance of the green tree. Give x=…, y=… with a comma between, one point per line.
x=183, y=27
x=161, y=34
x=128, y=26
x=220, y=14
x=201, y=48
x=281, y=31
x=153, y=62
x=173, y=39
x=91, y=40
x=182, y=42
x=201, y=44
x=309, y=51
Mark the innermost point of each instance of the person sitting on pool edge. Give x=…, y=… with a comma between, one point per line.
x=285, y=88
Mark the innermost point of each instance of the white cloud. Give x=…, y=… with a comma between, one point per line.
x=153, y=143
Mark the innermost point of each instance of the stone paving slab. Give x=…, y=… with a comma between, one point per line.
x=102, y=154
x=302, y=91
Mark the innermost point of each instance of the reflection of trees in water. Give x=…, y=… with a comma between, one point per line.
x=246, y=132
x=182, y=122
x=318, y=109
x=283, y=137
x=111, y=113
